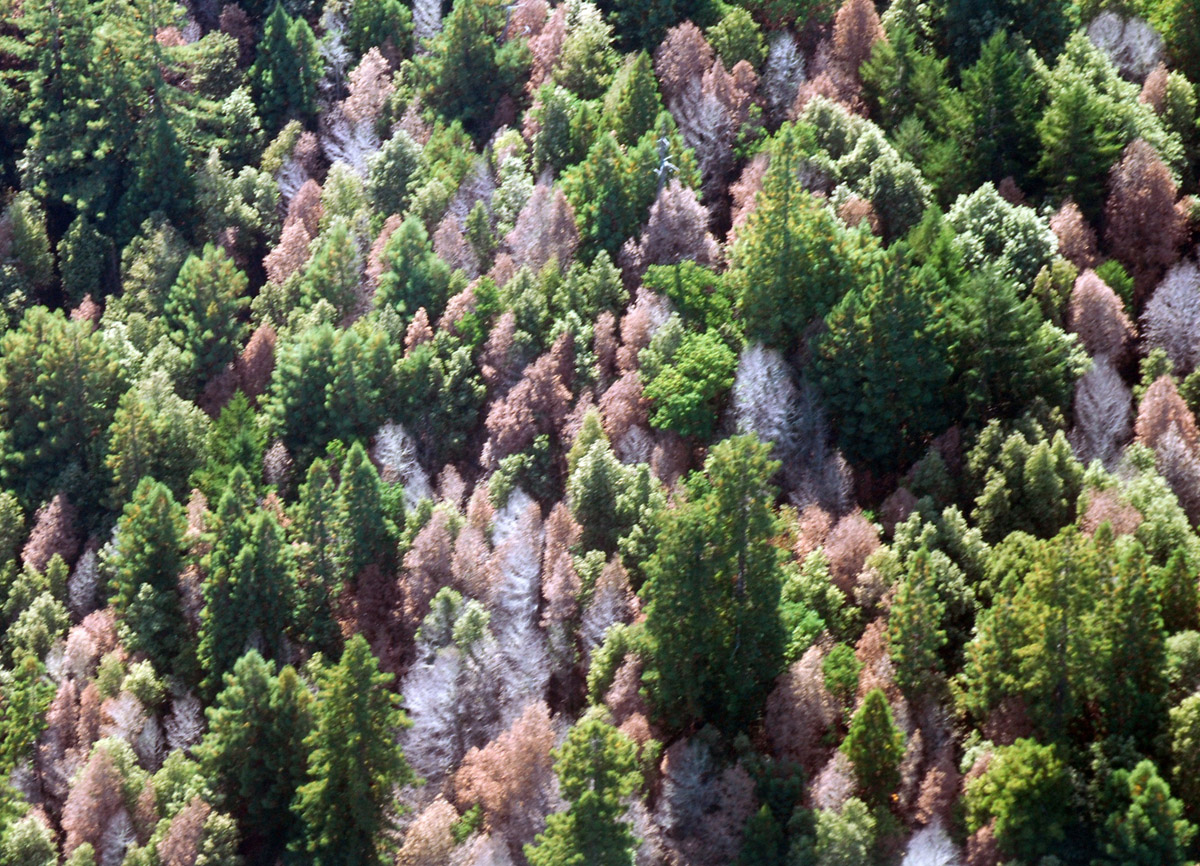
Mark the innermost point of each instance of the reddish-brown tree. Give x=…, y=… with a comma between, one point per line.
x=535, y=405
x=856, y=29
x=682, y=58
x=849, y=543
x=677, y=231
x=54, y=533
x=545, y=230
x=1076, y=239
x=289, y=255
x=181, y=845
x=418, y=331
x=800, y=710
x=426, y=567
x=1097, y=315
x=1143, y=227
x=306, y=207
x=1154, y=89
x=94, y=801
x=1162, y=409
x=430, y=837
x=511, y=777
x=370, y=88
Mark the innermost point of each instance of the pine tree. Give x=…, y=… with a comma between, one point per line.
x=915, y=625
x=609, y=196
x=1134, y=685
x=323, y=565
x=362, y=534
x=597, y=769
x=286, y=70
x=712, y=593
x=884, y=367
x=413, y=276
x=145, y=584
x=1045, y=26
x=632, y=102
x=1152, y=828
x=253, y=753
x=469, y=67
x=384, y=24
x=353, y=762
x=59, y=385
x=203, y=311
x=793, y=259
x=1177, y=593
x=875, y=746
x=334, y=269
x=249, y=585
x=1079, y=144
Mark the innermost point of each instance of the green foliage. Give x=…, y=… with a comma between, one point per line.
x=1152, y=828
x=793, y=259
x=235, y=439
x=362, y=532
x=686, y=392
x=59, y=385
x=632, y=101
x=875, y=747
x=607, y=497
x=145, y=565
x=1045, y=26
x=27, y=843
x=286, y=70
x=611, y=191
x=914, y=626
x=329, y=384
x=353, y=762
x=597, y=769
x=203, y=310
x=83, y=260
x=392, y=173
x=334, y=269
x=883, y=365
x=841, y=669
x=845, y=837
x=155, y=434
x=439, y=394
x=1026, y=791
x=1185, y=752
x=467, y=69
x=737, y=37
x=413, y=276
x=25, y=695
x=715, y=641
x=253, y=753
x=385, y=24
x=1028, y=486
x=249, y=585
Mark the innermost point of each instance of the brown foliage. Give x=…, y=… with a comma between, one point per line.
x=744, y=191
x=373, y=608
x=856, y=29
x=471, y=565
x=289, y=254
x=457, y=307
x=429, y=839
x=545, y=230
x=94, y=801
x=375, y=261
x=1154, y=90
x=799, y=711
x=1143, y=227
x=624, y=406
x=982, y=849
x=1106, y=506
x=854, y=210
x=509, y=776
x=683, y=57
x=256, y=362
x=181, y=845
x=546, y=47
x=452, y=247
x=236, y=23
x=1098, y=316
x=1162, y=408
x=670, y=458
x=57, y=743
x=87, y=728
x=426, y=567
x=537, y=404
x=54, y=532
x=624, y=697
x=1176, y=461
x=939, y=788
x=849, y=543
x=87, y=311
x=370, y=88
x=677, y=231
x=307, y=152
x=306, y=207
x=605, y=345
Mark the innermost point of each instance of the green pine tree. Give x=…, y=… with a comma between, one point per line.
x=875, y=746
x=286, y=70
x=633, y=101
x=145, y=567
x=1152, y=828
x=915, y=626
x=353, y=762
x=253, y=752
x=413, y=276
x=203, y=310
x=715, y=639
x=597, y=770
x=362, y=532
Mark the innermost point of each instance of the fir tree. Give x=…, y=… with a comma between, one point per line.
x=286, y=70
x=363, y=536
x=1152, y=828
x=203, y=309
x=915, y=626
x=413, y=276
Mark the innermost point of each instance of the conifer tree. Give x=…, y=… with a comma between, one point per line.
x=253, y=754
x=884, y=366
x=793, y=259
x=334, y=269
x=1177, y=592
x=1151, y=829
x=875, y=746
x=324, y=567
x=712, y=593
x=915, y=625
x=249, y=584
x=286, y=70
x=1135, y=686
x=146, y=567
x=597, y=769
x=610, y=193
x=203, y=309
x=413, y=276
x=383, y=24
x=632, y=102
x=353, y=762
x=363, y=536
x=1079, y=144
